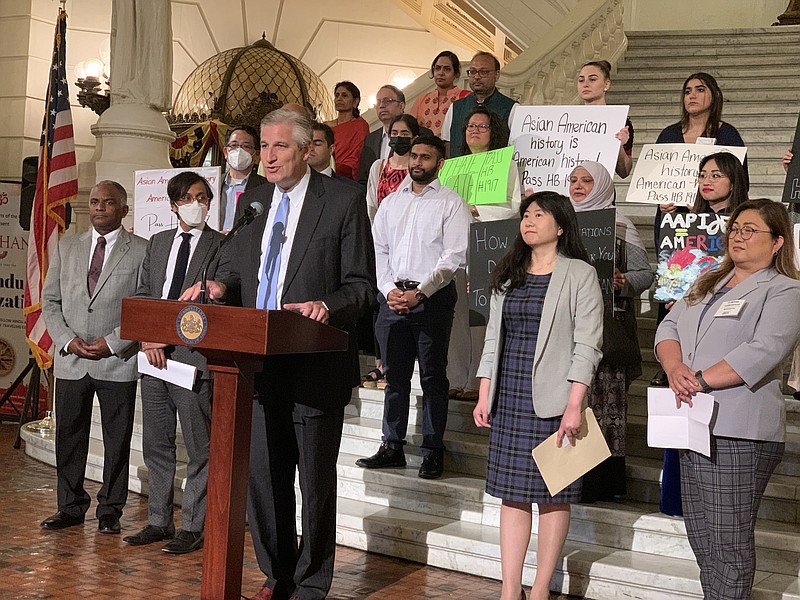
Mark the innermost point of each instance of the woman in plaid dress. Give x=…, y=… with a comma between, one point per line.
x=544, y=290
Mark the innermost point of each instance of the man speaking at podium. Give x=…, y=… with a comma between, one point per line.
x=310, y=251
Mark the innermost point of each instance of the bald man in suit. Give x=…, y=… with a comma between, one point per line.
x=81, y=304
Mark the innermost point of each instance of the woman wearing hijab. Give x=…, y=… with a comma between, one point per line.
x=591, y=188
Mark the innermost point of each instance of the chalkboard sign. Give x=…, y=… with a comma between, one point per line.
x=489, y=243
x=791, y=189
x=689, y=244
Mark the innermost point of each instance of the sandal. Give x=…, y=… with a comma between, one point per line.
x=372, y=379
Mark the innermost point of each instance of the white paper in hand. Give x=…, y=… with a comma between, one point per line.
x=681, y=428
x=176, y=372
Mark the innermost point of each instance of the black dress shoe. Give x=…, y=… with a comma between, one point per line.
x=660, y=379
x=184, y=542
x=432, y=467
x=108, y=524
x=384, y=457
x=150, y=534
x=61, y=520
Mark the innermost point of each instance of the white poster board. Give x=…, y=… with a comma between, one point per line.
x=13, y=261
x=667, y=173
x=550, y=141
x=151, y=210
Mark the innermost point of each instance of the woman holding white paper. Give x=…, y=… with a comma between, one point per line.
x=543, y=289
x=594, y=80
x=591, y=188
x=729, y=337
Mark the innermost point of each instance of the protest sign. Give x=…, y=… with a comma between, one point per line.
x=791, y=189
x=13, y=272
x=489, y=242
x=479, y=178
x=550, y=141
x=151, y=209
x=667, y=173
x=689, y=244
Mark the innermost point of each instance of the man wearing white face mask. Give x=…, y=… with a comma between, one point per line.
x=241, y=153
x=174, y=261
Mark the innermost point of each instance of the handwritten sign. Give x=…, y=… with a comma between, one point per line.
x=791, y=189
x=479, y=178
x=667, y=173
x=550, y=141
x=151, y=212
x=689, y=244
x=489, y=242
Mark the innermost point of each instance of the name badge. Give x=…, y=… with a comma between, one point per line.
x=731, y=308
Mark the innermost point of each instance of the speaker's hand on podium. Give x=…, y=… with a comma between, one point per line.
x=216, y=292
x=313, y=310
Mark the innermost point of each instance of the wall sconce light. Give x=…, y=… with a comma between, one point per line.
x=93, y=81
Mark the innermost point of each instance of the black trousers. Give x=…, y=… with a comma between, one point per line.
x=422, y=334
x=73, y=423
x=286, y=436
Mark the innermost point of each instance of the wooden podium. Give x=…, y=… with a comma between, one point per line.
x=234, y=340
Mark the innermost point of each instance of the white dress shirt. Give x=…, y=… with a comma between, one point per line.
x=111, y=239
x=296, y=197
x=231, y=188
x=173, y=254
x=327, y=171
x=384, y=144
x=422, y=237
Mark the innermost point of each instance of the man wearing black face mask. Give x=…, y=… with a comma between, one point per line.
x=386, y=174
x=420, y=235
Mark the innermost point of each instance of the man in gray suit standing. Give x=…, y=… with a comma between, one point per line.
x=81, y=303
x=174, y=261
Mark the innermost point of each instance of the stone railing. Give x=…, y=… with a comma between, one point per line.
x=546, y=72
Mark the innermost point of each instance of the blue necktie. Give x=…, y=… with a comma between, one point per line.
x=268, y=285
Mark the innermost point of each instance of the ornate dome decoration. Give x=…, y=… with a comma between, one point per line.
x=241, y=85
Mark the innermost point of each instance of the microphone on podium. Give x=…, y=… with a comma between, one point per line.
x=250, y=213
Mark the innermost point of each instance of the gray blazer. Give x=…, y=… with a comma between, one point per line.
x=754, y=344
x=154, y=272
x=569, y=341
x=69, y=312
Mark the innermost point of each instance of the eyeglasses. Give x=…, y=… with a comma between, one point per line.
x=746, y=232
x=478, y=126
x=188, y=199
x=245, y=147
x=480, y=72
x=385, y=102
x=713, y=176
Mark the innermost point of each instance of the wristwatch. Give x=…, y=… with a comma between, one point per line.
x=699, y=376
x=420, y=296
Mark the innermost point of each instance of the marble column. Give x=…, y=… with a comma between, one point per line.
x=133, y=133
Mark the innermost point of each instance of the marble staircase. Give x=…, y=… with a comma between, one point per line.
x=757, y=70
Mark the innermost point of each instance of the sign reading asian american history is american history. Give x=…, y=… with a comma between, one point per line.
x=489, y=242
x=550, y=141
x=667, y=173
x=151, y=204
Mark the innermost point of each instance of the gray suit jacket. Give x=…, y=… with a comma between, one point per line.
x=569, y=340
x=754, y=344
x=154, y=272
x=69, y=312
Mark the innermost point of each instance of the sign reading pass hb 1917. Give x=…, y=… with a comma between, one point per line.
x=489, y=242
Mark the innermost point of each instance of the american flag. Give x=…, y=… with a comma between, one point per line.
x=56, y=184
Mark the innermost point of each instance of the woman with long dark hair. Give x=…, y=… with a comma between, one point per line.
x=349, y=129
x=543, y=289
x=430, y=108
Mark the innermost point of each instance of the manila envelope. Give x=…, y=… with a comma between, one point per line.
x=561, y=466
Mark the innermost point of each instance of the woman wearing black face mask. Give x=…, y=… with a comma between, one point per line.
x=385, y=175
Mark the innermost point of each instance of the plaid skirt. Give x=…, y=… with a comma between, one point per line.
x=516, y=430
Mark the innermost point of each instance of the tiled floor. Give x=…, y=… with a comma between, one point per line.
x=79, y=562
